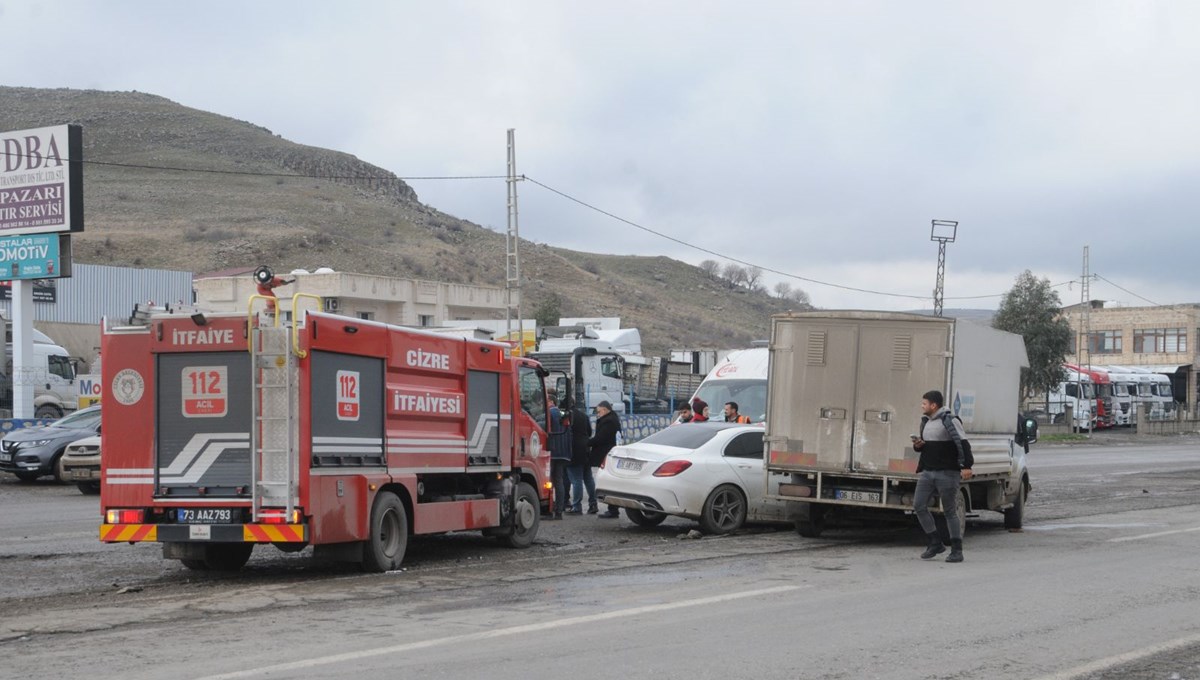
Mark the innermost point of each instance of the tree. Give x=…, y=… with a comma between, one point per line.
x=735, y=274
x=783, y=289
x=1033, y=310
x=711, y=267
x=548, y=310
x=753, y=277
x=800, y=298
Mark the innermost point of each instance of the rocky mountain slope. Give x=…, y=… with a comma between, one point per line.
x=251, y=208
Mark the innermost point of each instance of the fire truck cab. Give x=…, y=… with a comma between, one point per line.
x=229, y=430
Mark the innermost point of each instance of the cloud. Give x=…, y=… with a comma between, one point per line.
x=817, y=139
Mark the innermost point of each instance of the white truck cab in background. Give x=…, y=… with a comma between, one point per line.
x=52, y=374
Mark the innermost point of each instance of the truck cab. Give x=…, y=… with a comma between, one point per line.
x=52, y=373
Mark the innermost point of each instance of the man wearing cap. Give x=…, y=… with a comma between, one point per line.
x=608, y=424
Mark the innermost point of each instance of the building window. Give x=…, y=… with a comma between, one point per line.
x=367, y=316
x=1105, y=342
x=1160, y=340
x=424, y=320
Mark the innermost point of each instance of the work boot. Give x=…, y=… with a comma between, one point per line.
x=592, y=509
x=955, y=551
x=610, y=513
x=935, y=547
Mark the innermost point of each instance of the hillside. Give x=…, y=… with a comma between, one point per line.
x=247, y=211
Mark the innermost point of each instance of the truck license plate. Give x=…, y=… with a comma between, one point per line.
x=860, y=496
x=79, y=473
x=204, y=515
x=629, y=464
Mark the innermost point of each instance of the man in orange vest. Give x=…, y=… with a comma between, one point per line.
x=732, y=415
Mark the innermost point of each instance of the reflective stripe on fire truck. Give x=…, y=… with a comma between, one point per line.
x=483, y=429
x=201, y=451
x=128, y=532
x=273, y=533
x=355, y=446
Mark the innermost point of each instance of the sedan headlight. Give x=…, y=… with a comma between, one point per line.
x=33, y=444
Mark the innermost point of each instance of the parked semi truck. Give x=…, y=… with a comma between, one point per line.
x=844, y=390
x=226, y=431
x=608, y=366
x=50, y=371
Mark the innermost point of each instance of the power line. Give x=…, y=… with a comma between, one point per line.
x=1127, y=291
x=569, y=197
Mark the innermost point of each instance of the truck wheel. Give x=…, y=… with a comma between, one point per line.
x=643, y=518
x=724, y=510
x=811, y=523
x=526, y=518
x=384, y=550
x=48, y=411
x=227, y=556
x=1014, y=517
x=88, y=488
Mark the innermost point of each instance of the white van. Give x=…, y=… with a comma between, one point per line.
x=740, y=378
x=52, y=374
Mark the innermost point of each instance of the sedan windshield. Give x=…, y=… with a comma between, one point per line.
x=79, y=420
x=683, y=436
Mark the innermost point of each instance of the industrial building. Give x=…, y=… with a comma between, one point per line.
x=1164, y=339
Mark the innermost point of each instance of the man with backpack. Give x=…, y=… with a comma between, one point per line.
x=945, y=462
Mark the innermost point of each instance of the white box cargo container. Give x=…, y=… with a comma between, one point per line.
x=844, y=391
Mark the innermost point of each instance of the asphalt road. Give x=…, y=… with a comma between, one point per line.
x=1103, y=583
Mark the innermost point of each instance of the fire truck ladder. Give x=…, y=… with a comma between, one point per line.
x=273, y=438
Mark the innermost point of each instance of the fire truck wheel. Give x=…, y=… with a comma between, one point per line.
x=526, y=519
x=385, y=548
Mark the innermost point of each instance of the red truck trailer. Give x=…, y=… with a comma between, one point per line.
x=229, y=430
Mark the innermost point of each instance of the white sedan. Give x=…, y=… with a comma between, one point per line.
x=712, y=472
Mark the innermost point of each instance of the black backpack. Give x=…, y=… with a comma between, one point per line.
x=968, y=458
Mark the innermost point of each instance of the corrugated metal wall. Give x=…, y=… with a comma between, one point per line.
x=96, y=291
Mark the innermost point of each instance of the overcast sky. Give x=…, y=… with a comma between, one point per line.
x=816, y=139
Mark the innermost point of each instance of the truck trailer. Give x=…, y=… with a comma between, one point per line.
x=225, y=431
x=844, y=389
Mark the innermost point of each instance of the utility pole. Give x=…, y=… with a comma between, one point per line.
x=512, y=239
x=1084, y=356
x=942, y=231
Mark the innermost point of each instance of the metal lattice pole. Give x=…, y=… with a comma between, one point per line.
x=943, y=232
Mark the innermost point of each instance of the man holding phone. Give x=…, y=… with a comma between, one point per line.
x=943, y=466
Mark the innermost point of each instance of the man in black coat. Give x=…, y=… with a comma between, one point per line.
x=608, y=424
x=580, y=469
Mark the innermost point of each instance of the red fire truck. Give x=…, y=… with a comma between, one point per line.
x=229, y=430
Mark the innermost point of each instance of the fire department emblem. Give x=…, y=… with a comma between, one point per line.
x=128, y=387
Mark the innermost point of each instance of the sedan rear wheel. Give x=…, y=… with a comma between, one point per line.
x=724, y=510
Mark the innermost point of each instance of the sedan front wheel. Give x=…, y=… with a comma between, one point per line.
x=724, y=510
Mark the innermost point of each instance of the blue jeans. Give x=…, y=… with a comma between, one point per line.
x=581, y=477
x=946, y=483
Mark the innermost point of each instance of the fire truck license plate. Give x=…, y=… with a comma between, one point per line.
x=204, y=515
x=629, y=464
x=861, y=496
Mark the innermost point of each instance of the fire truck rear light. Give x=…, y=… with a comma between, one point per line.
x=272, y=519
x=125, y=516
x=672, y=468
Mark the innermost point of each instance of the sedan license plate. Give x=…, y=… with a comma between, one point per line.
x=860, y=496
x=204, y=515
x=629, y=464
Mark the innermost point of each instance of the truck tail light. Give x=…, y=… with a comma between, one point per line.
x=672, y=468
x=280, y=518
x=125, y=516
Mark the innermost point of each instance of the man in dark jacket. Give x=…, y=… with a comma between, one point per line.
x=560, y=456
x=942, y=466
x=608, y=424
x=580, y=469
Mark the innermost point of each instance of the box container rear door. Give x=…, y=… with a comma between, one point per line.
x=203, y=425
x=811, y=387
x=897, y=363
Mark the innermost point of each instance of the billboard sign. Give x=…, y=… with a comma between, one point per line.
x=41, y=180
x=29, y=257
